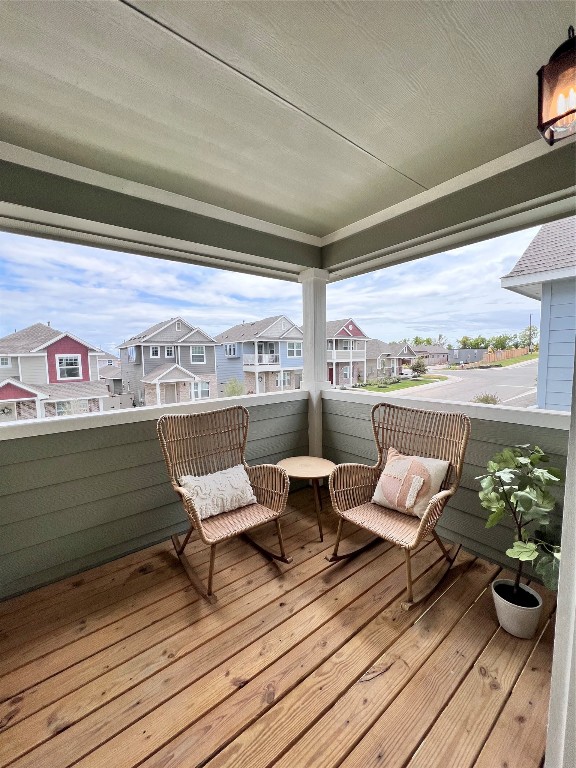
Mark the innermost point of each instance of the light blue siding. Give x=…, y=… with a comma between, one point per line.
x=228, y=367
x=557, y=344
x=289, y=362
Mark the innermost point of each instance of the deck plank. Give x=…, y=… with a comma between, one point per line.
x=461, y=730
x=335, y=734
x=308, y=664
x=519, y=736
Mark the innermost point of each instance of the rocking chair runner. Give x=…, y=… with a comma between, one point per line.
x=204, y=443
x=412, y=432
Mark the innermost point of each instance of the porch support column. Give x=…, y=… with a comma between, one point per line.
x=314, y=376
x=561, y=740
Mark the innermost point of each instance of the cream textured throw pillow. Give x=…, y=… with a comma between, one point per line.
x=407, y=483
x=220, y=491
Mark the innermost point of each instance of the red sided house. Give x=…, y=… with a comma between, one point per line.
x=346, y=352
x=45, y=372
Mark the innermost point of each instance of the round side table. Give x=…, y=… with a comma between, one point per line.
x=309, y=468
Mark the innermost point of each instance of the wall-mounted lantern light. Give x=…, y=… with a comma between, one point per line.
x=557, y=93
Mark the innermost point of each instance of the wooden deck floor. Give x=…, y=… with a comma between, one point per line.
x=303, y=665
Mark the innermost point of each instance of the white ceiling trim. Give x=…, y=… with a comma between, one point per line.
x=530, y=213
x=23, y=220
x=499, y=165
x=40, y=162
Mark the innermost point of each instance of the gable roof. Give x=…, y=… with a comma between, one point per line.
x=550, y=256
x=162, y=370
x=333, y=328
x=34, y=338
x=24, y=387
x=154, y=330
x=252, y=331
x=375, y=348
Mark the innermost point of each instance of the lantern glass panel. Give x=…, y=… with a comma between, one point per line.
x=558, y=96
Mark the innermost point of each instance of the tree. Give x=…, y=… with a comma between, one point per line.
x=419, y=366
x=529, y=337
x=478, y=342
x=234, y=388
x=422, y=341
x=503, y=341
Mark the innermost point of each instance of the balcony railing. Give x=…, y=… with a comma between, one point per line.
x=81, y=490
x=345, y=355
x=270, y=359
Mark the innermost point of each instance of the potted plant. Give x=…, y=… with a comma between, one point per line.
x=515, y=486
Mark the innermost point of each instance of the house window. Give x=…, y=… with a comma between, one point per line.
x=131, y=354
x=287, y=378
x=154, y=351
x=69, y=366
x=201, y=389
x=330, y=344
x=108, y=362
x=64, y=408
x=4, y=362
x=345, y=372
x=278, y=379
x=169, y=352
x=294, y=349
x=230, y=350
x=344, y=344
x=178, y=325
x=197, y=354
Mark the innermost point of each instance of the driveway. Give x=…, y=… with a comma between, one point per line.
x=515, y=385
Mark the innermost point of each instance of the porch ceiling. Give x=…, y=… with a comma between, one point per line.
x=277, y=136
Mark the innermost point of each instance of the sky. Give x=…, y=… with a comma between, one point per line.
x=105, y=297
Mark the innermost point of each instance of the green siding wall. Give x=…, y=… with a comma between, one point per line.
x=347, y=437
x=72, y=500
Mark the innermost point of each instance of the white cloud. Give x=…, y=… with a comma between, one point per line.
x=106, y=297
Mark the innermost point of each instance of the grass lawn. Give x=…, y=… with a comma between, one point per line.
x=404, y=384
x=515, y=360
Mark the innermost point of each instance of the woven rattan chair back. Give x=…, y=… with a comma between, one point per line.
x=202, y=443
x=414, y=432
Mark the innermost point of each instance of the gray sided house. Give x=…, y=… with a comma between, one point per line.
x=464, y=355
x=265, y=355
x=170, y=362
x=546, y=271
x=345, y=353
x=384, y=359
x=433, y=354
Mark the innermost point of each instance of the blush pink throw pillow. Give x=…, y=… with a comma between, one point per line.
x=407, y=483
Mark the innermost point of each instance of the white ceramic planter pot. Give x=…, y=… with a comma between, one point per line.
x=516, y=619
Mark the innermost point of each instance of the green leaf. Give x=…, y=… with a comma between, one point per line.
x=496, y=517
x=487, y=483
x=521, y=550
x=548, y=568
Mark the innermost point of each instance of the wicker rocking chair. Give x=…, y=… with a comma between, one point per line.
x=413, y=433
x=204, y=443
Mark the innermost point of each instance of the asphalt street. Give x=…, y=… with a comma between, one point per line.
x=515, y=385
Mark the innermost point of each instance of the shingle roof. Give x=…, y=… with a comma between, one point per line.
x=554, y=247
x=75, y=390
x=375, y=347
x=431, y=349
x=247, y=331
x=162, y=369
x=32, y=337
x=110, y=372
x=140, y=337
x=28, y=339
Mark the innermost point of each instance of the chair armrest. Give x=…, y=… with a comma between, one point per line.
x=270, y=485
x=352, y=485
x=432, y=514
